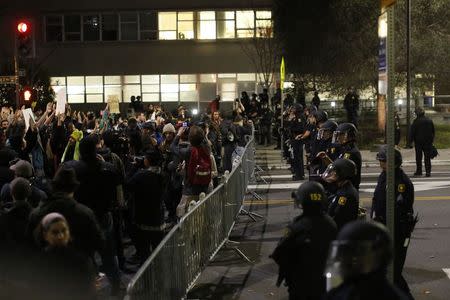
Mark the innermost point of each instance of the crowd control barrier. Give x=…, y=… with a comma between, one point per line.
x=177, y=262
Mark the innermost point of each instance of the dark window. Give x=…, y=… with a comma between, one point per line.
x=110, y=27
x=128, y=26
x=53, y=28
x=72, y=27
x=148, y=22
x=91, y=28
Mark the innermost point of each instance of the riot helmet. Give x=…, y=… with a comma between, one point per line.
x=382, y=155
x=297, y=108
x=361, y=248
x=310, y=196
x=326, y=130
x=345, y=133
x=339, y=170
x=321, y=116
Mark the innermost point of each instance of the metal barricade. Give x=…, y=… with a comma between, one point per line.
x=177, y=262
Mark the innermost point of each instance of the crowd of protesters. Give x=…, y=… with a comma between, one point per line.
x=75, y=185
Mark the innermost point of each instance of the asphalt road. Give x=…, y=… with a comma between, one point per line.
x=427, y=268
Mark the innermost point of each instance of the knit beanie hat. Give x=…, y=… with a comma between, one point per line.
x=168, y=128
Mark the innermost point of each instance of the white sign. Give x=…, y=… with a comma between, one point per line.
x=113, y=101
x=27, y=115
x=60, y=101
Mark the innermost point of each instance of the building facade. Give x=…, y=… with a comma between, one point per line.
x=170, y=52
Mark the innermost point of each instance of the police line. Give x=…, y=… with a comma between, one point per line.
x=172, y=269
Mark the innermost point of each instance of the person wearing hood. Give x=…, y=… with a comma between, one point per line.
x=72, y=151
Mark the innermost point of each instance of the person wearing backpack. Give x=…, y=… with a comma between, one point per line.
x=196, y=169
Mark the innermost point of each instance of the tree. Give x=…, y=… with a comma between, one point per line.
x=263, y=51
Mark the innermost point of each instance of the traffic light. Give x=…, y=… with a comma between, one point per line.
x=27, y=92
x=25, y=40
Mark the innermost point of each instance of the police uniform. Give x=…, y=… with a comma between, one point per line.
x=301, y=255
x=343, y=207
x=297, y=127
x=404, y=218
x=351, y=151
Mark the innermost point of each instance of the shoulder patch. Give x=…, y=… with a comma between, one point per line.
x=342, y=200
x=347, y=155
x=287, y=232
x=333, y=150
x=401, y=188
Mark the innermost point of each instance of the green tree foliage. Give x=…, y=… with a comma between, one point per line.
x=335, y=41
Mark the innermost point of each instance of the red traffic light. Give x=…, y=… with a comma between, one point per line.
x=23, y=27
x=27, y=94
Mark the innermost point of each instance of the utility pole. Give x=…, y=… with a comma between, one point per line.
x=408, y=73
x=386, y=87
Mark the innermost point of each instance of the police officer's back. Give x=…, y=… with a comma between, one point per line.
x=356, y=266
x=344, y=200
x=302, y=253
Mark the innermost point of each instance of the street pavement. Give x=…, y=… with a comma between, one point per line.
x=427, y=267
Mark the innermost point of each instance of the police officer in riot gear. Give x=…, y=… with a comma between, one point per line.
x=357, y=262
x=302, y=253
x=422, y=134
x=404, y=213
x=323, y=143
x=297, y=128
x=345, y=136
x=344, y=198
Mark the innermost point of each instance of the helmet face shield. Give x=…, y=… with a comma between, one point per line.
x=324, y=134
x=339, y=137
x=330, y=175
x=348, y=259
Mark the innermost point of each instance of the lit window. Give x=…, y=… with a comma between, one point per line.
x=225, y=25
x=72, y=27
x=128, y=26
x=167, y=25
x=210, y=78
x=110, y=27
x=169, y=88
x=57, y=81
x=131, y=90
x=129, y=79
x=91, y=28
x=75, y=89
x=245, y=23
x=150, y=88
x=207, y=25
x=246, y=77
x=148, y=22
x=264, y=26
x=53, y=28
x=185, y=25
x=112, y=80
x=75, y=85
x=94, y=85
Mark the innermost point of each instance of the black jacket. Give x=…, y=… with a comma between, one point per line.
x=98, y=186
x=344, y=205
x=84, y=227
x=302, y=253
x=146, y=205
x=404, y=195
x=422, y=131
x=351, y=151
